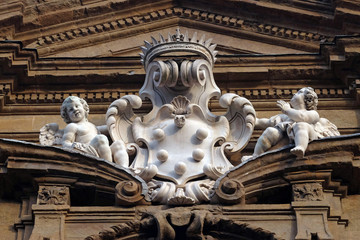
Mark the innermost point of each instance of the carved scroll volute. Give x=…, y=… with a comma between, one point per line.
x=185, y=73
x=158, y=75
x=200, y=77
x=119, y=117
x=129, y=193
x=241, y=117
x=229, y=191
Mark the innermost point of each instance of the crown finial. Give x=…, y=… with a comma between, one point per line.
x=178, y=35
x=178, y=43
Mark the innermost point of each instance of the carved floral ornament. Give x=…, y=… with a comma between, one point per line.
x=308, y=192
x=53, y=195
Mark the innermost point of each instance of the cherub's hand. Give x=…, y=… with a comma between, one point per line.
x=284, y=106
x=275, y=120
x=79, y=146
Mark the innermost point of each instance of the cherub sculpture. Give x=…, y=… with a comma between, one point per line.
x=299, y=121
x=79, y=134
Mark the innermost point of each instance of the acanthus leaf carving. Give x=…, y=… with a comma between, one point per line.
x=53, y=195
x=308, y=191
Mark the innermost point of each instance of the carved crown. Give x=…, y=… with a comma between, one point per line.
x=178, y=43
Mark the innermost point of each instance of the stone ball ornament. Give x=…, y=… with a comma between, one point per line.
x=162, y=155
x=198, y=154
x=159, y=134
x=202, y=133
x=180, y=168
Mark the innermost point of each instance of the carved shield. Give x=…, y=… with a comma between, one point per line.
x=180, y=146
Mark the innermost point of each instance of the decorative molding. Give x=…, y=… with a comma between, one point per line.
x=22, y=65
x=110, y=96
x=187, y=13
x=53, y=195
x=308, y=191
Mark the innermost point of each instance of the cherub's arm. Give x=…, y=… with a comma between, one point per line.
x=69, y=135
x=309, y=116
x=263, y=123
x=103, y=129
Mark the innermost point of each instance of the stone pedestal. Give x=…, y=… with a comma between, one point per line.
x=53, y=204
x=311, y=219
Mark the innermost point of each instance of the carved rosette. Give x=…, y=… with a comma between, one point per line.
x=128, y=193
x=308, y=192
x=53, y=195
x=230, y=191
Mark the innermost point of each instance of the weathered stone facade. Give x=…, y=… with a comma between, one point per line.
x=268, y=50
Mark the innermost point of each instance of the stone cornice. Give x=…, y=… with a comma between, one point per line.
x=128, y=26
x=102, y=80
x=28, y=17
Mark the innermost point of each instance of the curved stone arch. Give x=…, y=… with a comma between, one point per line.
x=191, y=225
x=221, y=228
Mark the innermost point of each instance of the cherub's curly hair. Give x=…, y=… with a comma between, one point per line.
x=70, y=99
x=310, y=98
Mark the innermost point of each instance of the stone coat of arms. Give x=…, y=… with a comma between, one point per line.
x=180, y=147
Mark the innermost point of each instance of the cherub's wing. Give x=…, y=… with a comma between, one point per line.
x=120, y=116
x=325, y=128
x=50, y=134
x=241, y=117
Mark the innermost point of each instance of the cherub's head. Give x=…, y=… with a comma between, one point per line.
x=308, y=95
x=74, y=109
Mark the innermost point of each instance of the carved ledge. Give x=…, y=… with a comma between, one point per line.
x=275, y=171
x=53, y=165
